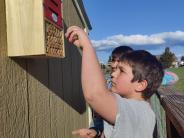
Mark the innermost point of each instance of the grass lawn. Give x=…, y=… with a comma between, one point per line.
x=180, y=83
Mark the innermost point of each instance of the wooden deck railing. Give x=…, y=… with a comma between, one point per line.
x=169, y=108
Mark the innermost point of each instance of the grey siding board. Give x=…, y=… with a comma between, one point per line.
x=13, y=100
x=56, y=104
x=13, y=89
x=41, y=97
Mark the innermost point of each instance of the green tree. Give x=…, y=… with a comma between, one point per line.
x=102, y=66
x=167, y=58
x=110, y=58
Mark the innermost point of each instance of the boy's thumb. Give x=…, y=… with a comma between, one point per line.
x=75, y=132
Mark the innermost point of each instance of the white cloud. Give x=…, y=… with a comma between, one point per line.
x=163, y=38
x=136, y=39
x=178, y=35
x=104, y=43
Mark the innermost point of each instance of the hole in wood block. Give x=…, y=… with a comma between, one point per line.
x=54, y=40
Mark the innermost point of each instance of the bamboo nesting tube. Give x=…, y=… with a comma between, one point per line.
x=54, y=40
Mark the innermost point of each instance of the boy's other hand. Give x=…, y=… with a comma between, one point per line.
x=77, y=36
x=85, y=133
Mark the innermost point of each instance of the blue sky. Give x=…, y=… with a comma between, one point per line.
x=142, y=24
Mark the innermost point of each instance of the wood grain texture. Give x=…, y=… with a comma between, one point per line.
x=174, y=107
x=25, y=27
x=13, y=89
x=168, y=106
x=56, y=98
x=41, y=97
x=71, y=64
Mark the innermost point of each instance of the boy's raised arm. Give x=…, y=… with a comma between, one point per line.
x=93, y=82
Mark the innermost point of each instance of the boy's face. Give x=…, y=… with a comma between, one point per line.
x=114, y=63
x=121, y=80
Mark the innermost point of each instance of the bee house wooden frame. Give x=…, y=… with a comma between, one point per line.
x=34, y=28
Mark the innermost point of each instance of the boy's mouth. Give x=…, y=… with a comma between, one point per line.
x=113, y=84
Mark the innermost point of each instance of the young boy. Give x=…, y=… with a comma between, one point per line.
x=127, y=114
x=97, y=125
x=117, y=53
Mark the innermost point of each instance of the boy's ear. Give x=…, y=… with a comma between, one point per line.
x=141, y=86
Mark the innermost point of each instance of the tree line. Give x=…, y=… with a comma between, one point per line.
x=167, y=58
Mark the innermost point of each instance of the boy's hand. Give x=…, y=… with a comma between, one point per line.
x=85, y=133
x=77, y=36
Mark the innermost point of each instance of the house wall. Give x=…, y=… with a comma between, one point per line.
x=41, y=97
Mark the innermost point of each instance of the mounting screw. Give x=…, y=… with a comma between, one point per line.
x=54, y=17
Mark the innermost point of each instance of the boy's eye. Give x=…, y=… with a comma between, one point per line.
x=121, y=70
x=114, y=60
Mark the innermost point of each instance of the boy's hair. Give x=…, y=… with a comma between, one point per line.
x=145, y=66
x=120, y=51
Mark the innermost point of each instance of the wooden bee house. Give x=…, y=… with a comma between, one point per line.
x=35, y=28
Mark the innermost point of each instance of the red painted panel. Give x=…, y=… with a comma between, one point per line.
x=52, y=11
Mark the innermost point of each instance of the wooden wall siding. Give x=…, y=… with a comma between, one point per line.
x=13, y=89
x=41, y=98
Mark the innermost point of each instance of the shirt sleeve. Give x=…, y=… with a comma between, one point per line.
x=97, y=122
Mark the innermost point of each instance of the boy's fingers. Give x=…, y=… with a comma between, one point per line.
x=92, y=134
x=70, y=30
x=73, y=36
x=75, y=132
x=83, y=133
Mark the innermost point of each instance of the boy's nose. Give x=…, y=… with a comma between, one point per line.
x=113, y=69
x=114, y=64
x=114, y=73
